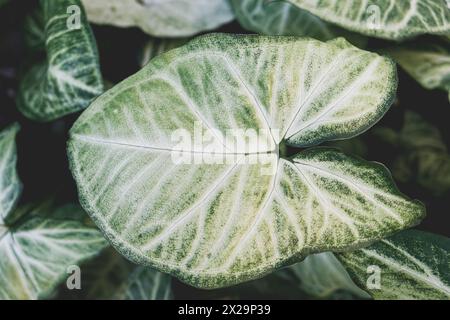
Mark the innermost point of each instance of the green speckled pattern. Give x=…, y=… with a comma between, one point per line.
x=10, y=185
x=174, y=18
x=69, y=78
x=413, y=265
x=36, y=252
x=387, y=19
x=217, y=225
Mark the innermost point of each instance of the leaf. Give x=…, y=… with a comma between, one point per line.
x=154, y=47
x=110, y=276
x=386, y=19
x=282, y=18
x=426, y=61
x=10, y=185
x=175, y=18
x=322, y=276
x=37, y=250
x=54, y=87
x=423, y=156
x=222, y=223
x=413, y=265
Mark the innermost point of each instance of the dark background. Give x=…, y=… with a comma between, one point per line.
x=43, y=165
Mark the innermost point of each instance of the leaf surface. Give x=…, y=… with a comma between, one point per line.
x=215, y=222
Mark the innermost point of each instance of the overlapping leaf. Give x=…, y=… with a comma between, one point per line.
x=411, y=265
x=10, y=185
x=155, y=47
x=322, y=276
x=388, y=19
x=175, y=18
x=110, y=276
x=37, y=250
x=216, y=224
x=69, y=78
x=427, y=61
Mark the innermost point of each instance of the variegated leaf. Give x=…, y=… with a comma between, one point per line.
x=110, y=276
x=427, y=61
x=282, y=18
x=38, y=249
x=10, y=185
x=69, y=78
x=322, y=276
x=388, y=19
x=214, y=222
x=175, y=18
x=410, y=265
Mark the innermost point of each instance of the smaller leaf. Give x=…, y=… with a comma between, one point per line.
x=37, y=250
x=412, y=265
x=427, y=61
x=175, y=18
x=69, y=78
x=322, y=276
x=10, y=185
x=110, y=276
x=154, y=47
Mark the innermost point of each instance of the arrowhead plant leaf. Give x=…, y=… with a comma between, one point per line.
x=37, y=249
x=412, y=265
x=214, y=223
x=387, y=19
x=175, y=18
x=10, y=185
x=56, y=86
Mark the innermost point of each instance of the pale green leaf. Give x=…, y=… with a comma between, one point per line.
x=10, y=185
x=37, y=250
x=411, y=264
x=69, y=78
x=282, y=18
x=215, y=224
x=388, y=19
x=175, y=18
x=427, y=61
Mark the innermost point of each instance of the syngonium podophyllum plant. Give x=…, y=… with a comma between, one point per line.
x=215, y=225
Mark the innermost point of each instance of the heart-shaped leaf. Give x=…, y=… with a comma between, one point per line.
x=410, y=265
x=10, y=185
x=216, y=217
x=388, y=19
x=175, y=18
x=57, y=86
x=427, y=61
x=322, y=276
x=37, y=250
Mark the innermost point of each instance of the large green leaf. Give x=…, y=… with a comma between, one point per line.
x=427, y=61
x=215, y=224
x=10, y=186
x=322, y=276
x=175, y=18
x=412, y=265
x=69, y=78
x=110, y=276
x=37, y=249
x=388, y=19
